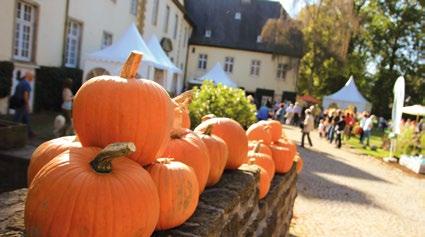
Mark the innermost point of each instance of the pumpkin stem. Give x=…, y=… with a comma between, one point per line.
x=102, y=162
x=257, y=147
x=177, y=133
x=251, y=161
x=208, y=116
x=131, y=66
x=208, y=130
x=164, y=161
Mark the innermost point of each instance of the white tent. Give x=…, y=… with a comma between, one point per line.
x=112, y=57
x=171, y=69
x=346, y=96
x=217, y=75
x=418, y=110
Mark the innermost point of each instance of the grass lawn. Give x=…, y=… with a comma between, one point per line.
x=375, y=139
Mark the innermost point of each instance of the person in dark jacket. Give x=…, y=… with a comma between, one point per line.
x=22, y=95
x=339, y=129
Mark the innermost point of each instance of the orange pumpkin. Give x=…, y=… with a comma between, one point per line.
x=263, y=160
x=76, y=195
x=264, y=182
x=233, y=134
x=182, y=118
x=218, y=153
x=178, y=191
x=259, y=131
x=47, y=151
x=275, y=129
x=288, y=144
x=111, y=109
x=263, y=148
x=282, y=158
x=300, y=163
x=185, y=146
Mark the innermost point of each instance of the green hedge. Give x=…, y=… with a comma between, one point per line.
x=49, y=85
x=6, y=74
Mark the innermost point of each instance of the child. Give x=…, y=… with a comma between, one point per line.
x=321, y=128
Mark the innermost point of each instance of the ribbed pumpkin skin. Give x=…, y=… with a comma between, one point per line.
x=218, y=153
x=190, y=150
x=288, y=144
x=178, y=191
x=47, y=151
x=282, y=158
x=185, y=118
x=263, y=148
x=68, y=198
x=275, y=129
x=264, y=183
x=111, y=109
x=264, y=161
x=233, y=135
x=259, y=131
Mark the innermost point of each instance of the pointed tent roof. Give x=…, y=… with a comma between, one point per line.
x=349, y=94
x=217, y=75
x=161, y=56
x=119, y=50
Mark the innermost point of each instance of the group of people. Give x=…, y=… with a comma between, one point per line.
x=20, y=103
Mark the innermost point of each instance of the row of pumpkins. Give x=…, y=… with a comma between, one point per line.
x=76, y=188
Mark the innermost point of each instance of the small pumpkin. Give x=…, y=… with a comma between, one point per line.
x=92, y=192
x=178, y=191
x=300, y=163
x=262, y=149
x=218, y=153
x=288, y=144
x=185, y=146
x=111, y=109
x=47, y=151
x=264, y=182
x=263, y=160
x=233, y=134
x=275, y=129
x=282, y=158
x=182, y=118
x=259, y=131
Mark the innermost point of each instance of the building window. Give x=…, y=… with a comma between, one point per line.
x=255, y=67
x=185, y=37
x=228, y=64
x=167, y=19
x=72, y=47
x=24, y=32
x=281, y=71
x=155, y=12
x=259, y=38
x=133, y=7
x=176, y=23
x=208, y=33
x=106, y=40
x=202, y=61
x=238, y=16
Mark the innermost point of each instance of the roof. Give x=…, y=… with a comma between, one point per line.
x=228, y=32
x=160, y=55
x=217, y=75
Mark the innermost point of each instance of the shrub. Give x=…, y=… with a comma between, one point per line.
x=405, y=140
x=222, y=101
x=49, y=85
x=6, y=74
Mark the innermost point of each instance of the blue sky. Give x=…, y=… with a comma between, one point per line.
x=294, y=6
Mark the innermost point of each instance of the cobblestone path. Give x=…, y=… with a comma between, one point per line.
x=344, y=194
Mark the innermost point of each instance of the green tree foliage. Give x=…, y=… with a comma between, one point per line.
x=221, y=101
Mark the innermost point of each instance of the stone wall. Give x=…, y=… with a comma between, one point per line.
x=230, y=208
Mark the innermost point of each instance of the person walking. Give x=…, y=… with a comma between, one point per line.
x=20, y=101
x=339, y=129
x=367, y=129
x=289, y=114
x=67, y=97
x=308, y=126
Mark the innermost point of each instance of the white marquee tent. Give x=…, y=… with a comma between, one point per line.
x=112, y=57
x=217, y=75
x=346, y=96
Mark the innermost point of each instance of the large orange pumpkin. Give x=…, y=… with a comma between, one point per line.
x=263, y=160
x=264, y=182
x=218, y=153
x=259, y=131
x=288, y=144
x=282, y=158
x=185, y=146
x=275, y=129
x=47, y=151
x=233, y=134
x=178, y=191
x=263, y=148
x=76, y=195
x=111, y=109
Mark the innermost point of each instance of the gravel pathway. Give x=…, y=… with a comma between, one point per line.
x=344, y=194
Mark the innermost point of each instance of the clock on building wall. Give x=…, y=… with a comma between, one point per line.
x=167, y=44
